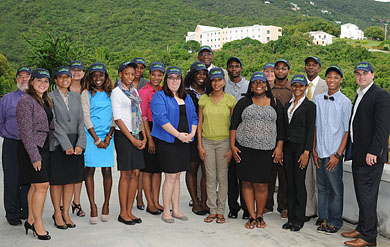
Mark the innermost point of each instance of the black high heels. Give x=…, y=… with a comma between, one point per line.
x=41, y=237
x=62, y=227
x=28, y=226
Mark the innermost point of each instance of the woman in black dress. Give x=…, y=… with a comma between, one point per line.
x=66, y=159
x=35, y=123
x=256, y=141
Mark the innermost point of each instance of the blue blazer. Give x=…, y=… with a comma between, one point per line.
x=165, y=109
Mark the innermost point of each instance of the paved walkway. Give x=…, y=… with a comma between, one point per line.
x=154, y=232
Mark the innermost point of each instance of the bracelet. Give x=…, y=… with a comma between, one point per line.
x=109, y=136
x=98, y=141
x=338, y=156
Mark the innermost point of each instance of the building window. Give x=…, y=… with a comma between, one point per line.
x=268, y=38
x=268, y=31
x=201, y=36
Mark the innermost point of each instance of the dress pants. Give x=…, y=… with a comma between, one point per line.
x=277, y=170
x=366, y=180
x=15, y=194
x=296, y=183
x=311, y=188
x=234, y=188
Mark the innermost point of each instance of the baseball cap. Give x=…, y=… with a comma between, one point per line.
x=62, y=70
x=334, y=68
x=173, y=70
x=126, y=64
x=139, y=60
x=301, y=79
x=97, y=67
x=76, y=65
x=233, y=59
x=198, y=66
x=216, y=73
x=268, y=65
x=258, y=76
x=284, y=61
x=27, y=69
x=40, y=73
x=205, y=47
x=157, y=66
x=365, y=66
x=317, y=59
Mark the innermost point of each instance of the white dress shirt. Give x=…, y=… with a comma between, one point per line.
x=290, y=111
x=314, y=85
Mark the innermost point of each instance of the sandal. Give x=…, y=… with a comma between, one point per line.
x=220, y=219
x=210, y=218
x=260, y=223
x=78, y=209
x=251, y=223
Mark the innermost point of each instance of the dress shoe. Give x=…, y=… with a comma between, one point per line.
x=105, y=217
x=157, y=212
x=284, y=214
x=137, y=220
x=191, y=203
x=140, y=207
x=42, y=237
x=62, y=227
x=287, y=226
x=200, y=212
x=359, y=242
x=28, y=226
x=14, y=222
x=126, y=222
x=183, y=217
x=308, y=218
x=295, y=228
x=70, y=225
x=245, y=215
x=233, y=214
x=170, y=220
x=353, y=234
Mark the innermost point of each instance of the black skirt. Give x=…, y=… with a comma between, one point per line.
x=28, y=175
x=151, y=161
x=173, y=157
x=255, y=165
x=128, y=157
x=66, y=169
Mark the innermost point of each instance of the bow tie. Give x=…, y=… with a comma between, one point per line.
x=328, y=97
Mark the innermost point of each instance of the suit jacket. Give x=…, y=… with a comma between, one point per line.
x=33, y=126
x=301, y=128
x=320, y=88
x=67, y=121
x=370, y=126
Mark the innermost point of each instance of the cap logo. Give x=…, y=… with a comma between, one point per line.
x=217, y=72
x=140, y=60
x=300, y=78
x=73, y=64
x=200, y=65
x=157, y=65
x=97, y=67
x=24, y=68
x=174, y=69
x=63, y=70
x=43, y=73
x=283, y=60
x=362, y=65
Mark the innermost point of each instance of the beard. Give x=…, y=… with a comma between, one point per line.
x=280, y=78
x=21, y=87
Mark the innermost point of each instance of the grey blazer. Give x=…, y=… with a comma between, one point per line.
x=67, y=121
x=320, y=88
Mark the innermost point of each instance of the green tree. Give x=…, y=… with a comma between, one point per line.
x=7, y=76
x=375, y=33
x=192, y=46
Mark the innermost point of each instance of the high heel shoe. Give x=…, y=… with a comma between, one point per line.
x=78, y=209
x=62, y=227
x=41, y=237
x=105, y=217
x=28, y=226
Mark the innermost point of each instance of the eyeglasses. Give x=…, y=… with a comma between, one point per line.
x=282, y=68
x=174, y=78
x=205, y=54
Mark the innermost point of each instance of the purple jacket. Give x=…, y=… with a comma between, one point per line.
x=33, y=126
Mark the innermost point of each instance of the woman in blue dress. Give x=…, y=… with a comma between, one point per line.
x=99, y=152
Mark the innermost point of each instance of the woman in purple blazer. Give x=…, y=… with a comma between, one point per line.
x=35, y=122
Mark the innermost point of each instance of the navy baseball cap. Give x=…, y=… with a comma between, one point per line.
x=269, y=65
x=233, y=59
x=139, y=60
x=284, y=61
x=76, y=65
x=301, y=79
x=258, y=76
x=126, y=64
x=365, y=66
x=334, y=68
x=27, y=69
x=317, y=59
x=198, y=66
x=173, y=70
x=205, y=47
x=216, y=73
x=62, y=70
x=40, y=73
x=97, y=67
x=157, y=66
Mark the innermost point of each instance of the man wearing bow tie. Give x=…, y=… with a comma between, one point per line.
x=333, y=110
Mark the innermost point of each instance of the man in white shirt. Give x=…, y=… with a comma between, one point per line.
x=206, y=56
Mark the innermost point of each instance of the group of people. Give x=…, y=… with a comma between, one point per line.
x=243, y=134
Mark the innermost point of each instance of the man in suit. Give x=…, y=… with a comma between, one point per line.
x=369, y=133
x=316, y=86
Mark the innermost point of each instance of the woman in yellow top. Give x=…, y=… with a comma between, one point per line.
x=215, y=109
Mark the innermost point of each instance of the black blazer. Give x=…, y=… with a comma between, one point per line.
x=301, y=128
x=370, y=126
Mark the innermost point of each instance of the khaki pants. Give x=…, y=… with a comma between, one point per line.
x=216, y=174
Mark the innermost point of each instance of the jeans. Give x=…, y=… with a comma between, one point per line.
x=330, y=193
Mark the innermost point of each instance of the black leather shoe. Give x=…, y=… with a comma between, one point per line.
x=287, y=226
x=233, y=214
x=140, y=207
x=157, y=212
x=126, y=222
x=245, y=215
x=295, y=228
x=137, y=220
x=200, y=212
x=62, y=227
x=14, y=222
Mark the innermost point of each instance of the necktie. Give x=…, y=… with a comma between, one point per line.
x=309, y=94
x=326, y=97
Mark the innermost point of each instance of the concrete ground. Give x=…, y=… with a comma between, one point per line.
x=154, y=232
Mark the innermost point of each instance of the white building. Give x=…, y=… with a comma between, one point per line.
x=215, y=37
x=321, y=38
x=351, y=31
